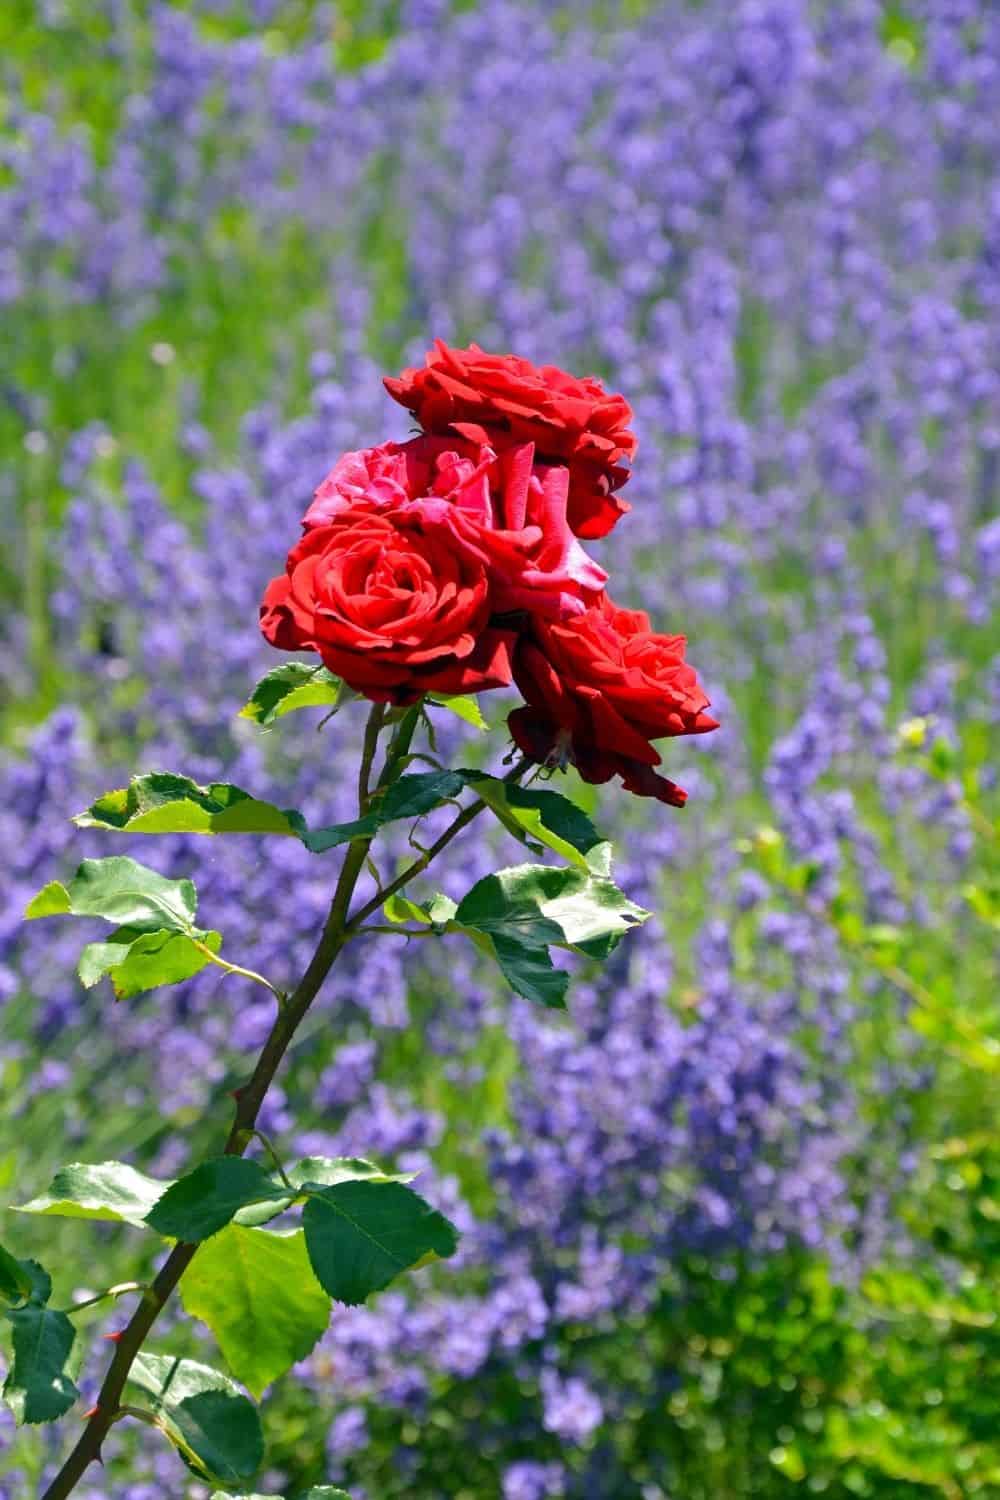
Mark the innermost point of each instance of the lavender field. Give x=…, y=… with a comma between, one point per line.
x=731, y=1225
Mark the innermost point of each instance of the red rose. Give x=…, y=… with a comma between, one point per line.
x=505, y=509
x=599, y=688
x=394, y=603
x=498, y=399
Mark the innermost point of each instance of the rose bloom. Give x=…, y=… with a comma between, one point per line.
x=498, y=399
x=394, y=602
x=598, y=689
x=504, y=508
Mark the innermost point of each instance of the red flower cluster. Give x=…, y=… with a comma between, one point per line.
x=453, y=563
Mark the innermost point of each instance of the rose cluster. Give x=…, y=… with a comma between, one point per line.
x=453, y=563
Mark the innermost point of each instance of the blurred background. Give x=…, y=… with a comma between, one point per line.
x=732, y=1225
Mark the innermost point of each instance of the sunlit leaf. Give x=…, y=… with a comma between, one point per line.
x=163, y=802
x=328, y=1171
x=293, y=685
x=549, y=818
x=122, y=892
x=256, y=1290
x=138, y=961
x=167, y=803
x=466, y=708
x=400, y=908
x=567, y=906
x=110, y=1190
x=524, y=911
x=53, y=900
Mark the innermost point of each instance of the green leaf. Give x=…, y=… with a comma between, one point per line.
x=318, y=1492
x=526, y=910
x=466, y=708
x=157, y=940
x=15, y=1282
x=291, y=686
x=123, y=892
x=409, y=797
x=110, y=1190
x=38, y=1387
x=566, y=906
x=53, y=900
x=548, y=817
x=41, y=1282
x=139, y=961
x=324, y=1170
x=360, y=1235
x=530, y=972
x=400, y=908
x=256, y=1291
x=417, y=793
x=214, y=1427
x=441, y=908
x=329, y=1171
x=163, y=802
x=200, y=1204
x=166, y=803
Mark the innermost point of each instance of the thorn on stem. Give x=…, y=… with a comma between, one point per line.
x=93, y=1412
x=112, y=1338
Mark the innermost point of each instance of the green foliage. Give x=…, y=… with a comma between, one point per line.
x=547, y=904
x=293, y=685
x=138, y=961
x=410, y=796
x=40, y=1281
x=466, y=709
x=157, y=942
x=162, y=802
x=200, y=1204
x=210, y=1422
x=166, y=803
x=15, y=1282
x=330, y=1171
x=39, y=1387
x=318, y=1492
x=361, y=1235
x=109, y=1190
x=256, y=1291
x=122, y=892
x=520, y=913
x=539, y=817
x=399, y=908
